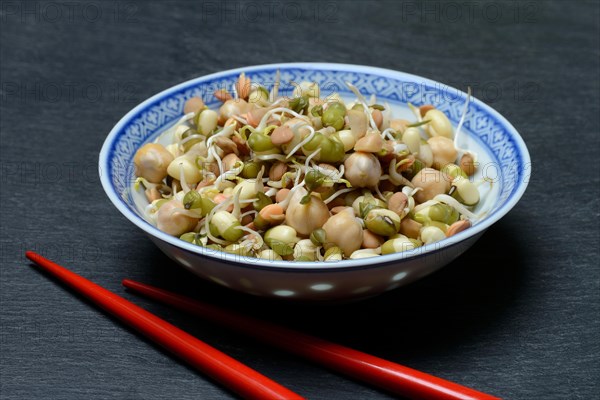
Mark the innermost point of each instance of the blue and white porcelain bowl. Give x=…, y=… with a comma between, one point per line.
x=503, y=159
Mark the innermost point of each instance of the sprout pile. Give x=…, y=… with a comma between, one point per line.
x=302, y=178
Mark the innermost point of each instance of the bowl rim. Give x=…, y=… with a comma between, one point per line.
x=294, y=266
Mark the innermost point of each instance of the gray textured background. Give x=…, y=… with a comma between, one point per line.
x=517, y=316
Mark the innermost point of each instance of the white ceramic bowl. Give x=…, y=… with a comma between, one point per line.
x=502, y=154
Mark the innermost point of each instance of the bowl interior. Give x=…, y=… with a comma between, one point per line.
x=501, y=153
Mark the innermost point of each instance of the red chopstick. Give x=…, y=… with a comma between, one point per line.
x=234, y=375
x=373, y=370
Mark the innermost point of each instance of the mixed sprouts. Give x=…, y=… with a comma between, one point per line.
x=307, y=179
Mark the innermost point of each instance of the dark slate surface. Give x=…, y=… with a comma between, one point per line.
x=517, y=316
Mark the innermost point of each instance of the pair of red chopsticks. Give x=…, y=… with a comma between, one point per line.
x=236, y=376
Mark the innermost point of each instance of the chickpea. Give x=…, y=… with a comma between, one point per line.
x=362, y=169
x=443, y=151
x=305, y=218
x=172, y=222
x=151, y=162
x=344, y=231
x=432, y=181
